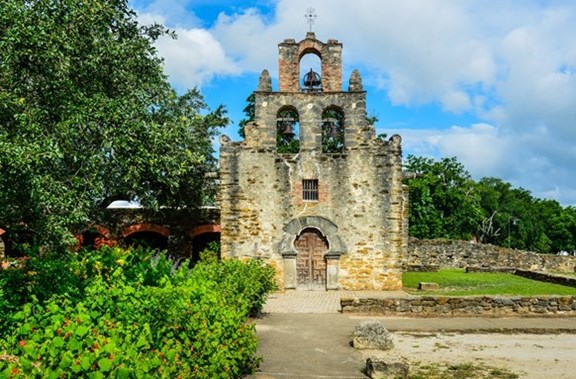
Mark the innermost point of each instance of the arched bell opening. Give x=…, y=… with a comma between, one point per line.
x=311, y=71
x=332, y=130
x=288, y=131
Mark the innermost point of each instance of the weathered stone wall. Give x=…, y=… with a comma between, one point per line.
x=360, y=191
x=485, y=306
x=450, y=253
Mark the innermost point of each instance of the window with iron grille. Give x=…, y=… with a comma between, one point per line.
x=310, y=189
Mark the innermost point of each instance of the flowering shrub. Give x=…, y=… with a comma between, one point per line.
x=134, y=316
x=128, y=330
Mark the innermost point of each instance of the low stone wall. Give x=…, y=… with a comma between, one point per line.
x=493, y=270
x=485, y=306
x=460, y=254
x=545, y=277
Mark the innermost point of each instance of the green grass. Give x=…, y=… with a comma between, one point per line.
x=456, y=282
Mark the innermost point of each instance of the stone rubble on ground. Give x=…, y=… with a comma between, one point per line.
x=391, y=366
x=382, y=364
x=372, y=335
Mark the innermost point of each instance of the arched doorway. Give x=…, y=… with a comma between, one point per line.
x=311, y=247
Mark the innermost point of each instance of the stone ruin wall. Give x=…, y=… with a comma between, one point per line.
x=461, y=254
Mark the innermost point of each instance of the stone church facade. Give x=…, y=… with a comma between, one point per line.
x=311, y=190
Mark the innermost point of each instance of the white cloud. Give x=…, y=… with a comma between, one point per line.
x=195, y=57
x=478, y=147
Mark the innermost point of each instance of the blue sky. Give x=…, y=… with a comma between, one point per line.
x=492, y=82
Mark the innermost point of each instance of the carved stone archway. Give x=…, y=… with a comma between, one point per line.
x=336, y=248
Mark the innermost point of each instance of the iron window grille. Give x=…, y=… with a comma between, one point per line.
x=310, y=189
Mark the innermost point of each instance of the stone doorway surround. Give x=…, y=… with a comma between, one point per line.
x=329, y=230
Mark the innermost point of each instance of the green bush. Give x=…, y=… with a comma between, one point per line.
x=128, y=330
x=246, y=284
x=39, y=276
x=136, y=262
x=130, y=314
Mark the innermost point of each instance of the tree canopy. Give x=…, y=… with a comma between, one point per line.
x=87, y=116
x=446, y=203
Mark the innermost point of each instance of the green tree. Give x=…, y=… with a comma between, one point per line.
x=443, y=200
x=88, y=116
x=249, y=112
x=519, y=220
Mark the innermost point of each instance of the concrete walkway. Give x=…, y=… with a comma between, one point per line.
x=318, y=301
x=304, y=336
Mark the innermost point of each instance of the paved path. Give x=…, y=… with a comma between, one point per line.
x=318, y=301
x=304, y=336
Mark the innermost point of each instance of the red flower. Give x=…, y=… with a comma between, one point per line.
x=22, y=343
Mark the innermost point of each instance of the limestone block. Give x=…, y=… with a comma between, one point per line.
x=372, y=335
x=388, y=367
x=428, y=286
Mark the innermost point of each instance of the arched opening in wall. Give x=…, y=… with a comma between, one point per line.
x=147, y=235
x=311, y=247
x=311, y=71
x=332, y=130
x=206, y=246
x=96, y=237
x=148, y=239
x=205, y=242
x=287, y=130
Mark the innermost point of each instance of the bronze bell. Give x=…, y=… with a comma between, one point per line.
x=312, y=80
x=288, y=124
x=332, y=124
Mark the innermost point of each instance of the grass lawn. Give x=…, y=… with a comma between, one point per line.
x=456, y=282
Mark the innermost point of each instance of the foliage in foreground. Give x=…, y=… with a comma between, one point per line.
x=138, y=317
x=456, y=282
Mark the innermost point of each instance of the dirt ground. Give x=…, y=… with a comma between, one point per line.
x=531, y=356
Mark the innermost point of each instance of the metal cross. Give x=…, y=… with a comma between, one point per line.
x=310, y=16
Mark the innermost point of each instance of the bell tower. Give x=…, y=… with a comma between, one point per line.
x=290, y=54
x=310, y=189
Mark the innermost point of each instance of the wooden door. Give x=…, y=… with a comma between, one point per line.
x=310, y=262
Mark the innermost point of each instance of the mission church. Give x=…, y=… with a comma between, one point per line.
x=311, y=190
